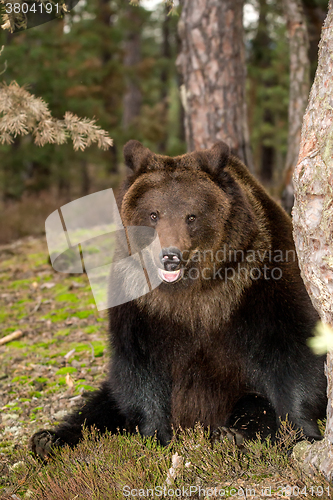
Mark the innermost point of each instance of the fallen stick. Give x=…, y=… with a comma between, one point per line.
x=11, y=336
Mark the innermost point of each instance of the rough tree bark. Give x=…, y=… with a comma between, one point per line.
x=313, y=218
x=298, y=90
x=212, y=65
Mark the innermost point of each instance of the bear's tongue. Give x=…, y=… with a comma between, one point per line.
x=169, y=276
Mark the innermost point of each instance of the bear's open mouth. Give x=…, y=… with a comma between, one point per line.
x=170, y=276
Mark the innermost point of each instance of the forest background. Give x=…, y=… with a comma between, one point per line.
x=116, y=63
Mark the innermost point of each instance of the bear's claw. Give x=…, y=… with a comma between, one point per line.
x=43, y=442
x=231, y=434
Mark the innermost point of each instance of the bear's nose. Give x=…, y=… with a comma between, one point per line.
x=171, y=258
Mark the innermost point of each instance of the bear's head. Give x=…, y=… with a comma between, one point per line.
x=190, y=200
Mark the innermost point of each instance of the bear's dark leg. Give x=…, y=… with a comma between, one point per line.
x=301, y=416
x=253, y=415
x=299, y=396
x=100, y=411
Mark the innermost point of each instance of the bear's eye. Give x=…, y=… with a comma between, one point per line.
x=154, y=216
x=191, y=218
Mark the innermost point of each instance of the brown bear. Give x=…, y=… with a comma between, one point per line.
x=223, y=339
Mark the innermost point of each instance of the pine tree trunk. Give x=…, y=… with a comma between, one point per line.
x=313, y=217
x=212, y=64
x=105, y=14
x=315, y=13
x=261, y=59
x=298, y=90
x=165, y=54
x=133, y=97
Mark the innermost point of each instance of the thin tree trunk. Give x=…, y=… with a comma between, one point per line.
x=109, y=94
x=298, y=89
x=315, y=14
x=261, y=60
x=179, y=76
x=212, y=64
x=313, y=217
x=132, y=98
x=166, y=54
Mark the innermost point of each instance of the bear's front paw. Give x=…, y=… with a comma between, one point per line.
x=43, y=442
x=232, y=435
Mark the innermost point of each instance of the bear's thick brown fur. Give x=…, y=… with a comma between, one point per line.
x=223, y=339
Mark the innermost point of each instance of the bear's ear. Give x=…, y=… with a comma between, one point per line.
x=218, y=156
x=136, y=154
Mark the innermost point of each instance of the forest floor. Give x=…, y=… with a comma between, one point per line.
x=59, y=355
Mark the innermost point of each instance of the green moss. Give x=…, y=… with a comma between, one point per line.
x=88, y=301
x=67, y=297
x=55, y=355
x=40, y=380
x=52, y=390
x=91, y=329
x=17, y=344
x=3, y=316
x=35, y=394
x=11, y=404
x=52, y=361
x=5, y=444
x=59, y=289
x=9, y=329
x=7, y=263
x=23, y=301
x=22, y=283
x=97, y=345
x=47, y=343
x=80, y=347
x=85, y=387
x=66, y=369
x=37, y=259
x=59, y=315
x=21, y=379
x=13, y=408
x=35, y=410
x=49, y=277
x=98, y=351
x=64, y=332
x=83, y=314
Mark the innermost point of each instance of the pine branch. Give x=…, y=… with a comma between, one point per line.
x=22, y=113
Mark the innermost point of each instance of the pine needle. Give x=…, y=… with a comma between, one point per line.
x=22, y=113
